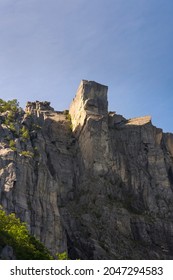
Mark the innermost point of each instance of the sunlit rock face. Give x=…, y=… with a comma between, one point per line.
x=90, y=100
x=89, y=181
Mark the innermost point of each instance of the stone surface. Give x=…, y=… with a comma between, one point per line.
x=101, y=188
x=7, y=253
x=139, y=121
x=90, y=100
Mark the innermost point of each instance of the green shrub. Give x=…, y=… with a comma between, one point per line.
x=11, y=105
x=27, y=154
x=62, y=256
x=68, y=118
x=15, y=234
x=12, y=127
x=12, y=145
x=24, y=133
x=6, y=122
x=11, y=116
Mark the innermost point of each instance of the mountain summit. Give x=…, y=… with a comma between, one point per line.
x=87, y=181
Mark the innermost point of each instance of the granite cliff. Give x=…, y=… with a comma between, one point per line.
x=88, y=181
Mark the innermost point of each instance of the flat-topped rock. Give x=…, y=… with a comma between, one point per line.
x=91, y=99
x=139, y=120
x=94, y=96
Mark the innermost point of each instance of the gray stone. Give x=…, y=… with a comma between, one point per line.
x=101, y=188
x=7, y=253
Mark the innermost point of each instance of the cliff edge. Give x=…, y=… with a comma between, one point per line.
x=88, y=181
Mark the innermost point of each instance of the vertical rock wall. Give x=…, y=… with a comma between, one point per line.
x=89, y=116
x=100, y=187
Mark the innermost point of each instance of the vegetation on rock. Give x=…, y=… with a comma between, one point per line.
x=12, y=145
x=27, y=154
x=11, y=105
x=15, y=234
x=24, y=133
x=68, y=118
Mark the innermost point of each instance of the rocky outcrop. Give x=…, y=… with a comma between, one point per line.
x=90, y=101
x=32, y=107
x=89, y=181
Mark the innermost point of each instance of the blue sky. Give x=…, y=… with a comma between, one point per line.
x=48, y=46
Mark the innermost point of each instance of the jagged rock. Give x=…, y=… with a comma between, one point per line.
x=101, y=188
x=34, y=106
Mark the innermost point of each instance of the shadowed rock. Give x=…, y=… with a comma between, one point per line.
x=99, y=186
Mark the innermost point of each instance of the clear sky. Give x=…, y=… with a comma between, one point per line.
x=48, y=46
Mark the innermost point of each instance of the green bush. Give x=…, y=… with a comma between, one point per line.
x=24, y=133
x=12, y=127
x=27, y=154
x=12, y=145
x=15, y=234
x=11, y=116
x=62, y=256
x=11, y=105
x=68, y=118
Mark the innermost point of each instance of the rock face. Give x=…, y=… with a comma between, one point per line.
x=89, y=181
x=90, y=100
x=7, y=253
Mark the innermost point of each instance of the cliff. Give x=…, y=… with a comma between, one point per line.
x=89, y=181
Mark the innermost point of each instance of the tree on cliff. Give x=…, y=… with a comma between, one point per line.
x=14, y=233
x=11, y=105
